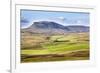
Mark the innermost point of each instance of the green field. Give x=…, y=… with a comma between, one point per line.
x=42, y=47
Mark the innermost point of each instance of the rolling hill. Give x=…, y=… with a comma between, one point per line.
x=47, y=27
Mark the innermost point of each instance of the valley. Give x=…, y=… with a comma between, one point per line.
x=54, y=47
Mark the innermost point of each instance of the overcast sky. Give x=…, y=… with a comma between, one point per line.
x=64, y=18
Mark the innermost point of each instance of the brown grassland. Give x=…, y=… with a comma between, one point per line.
x=43, y=48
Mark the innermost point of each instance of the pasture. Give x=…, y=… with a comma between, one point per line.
x=57, y=47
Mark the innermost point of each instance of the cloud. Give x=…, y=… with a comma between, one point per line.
x=23, y=20
x=61, y=18
x=78, y=21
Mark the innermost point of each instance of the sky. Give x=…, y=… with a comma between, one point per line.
x=28, y=17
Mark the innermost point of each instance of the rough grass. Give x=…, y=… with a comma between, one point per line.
x=76, y=55
x=33, y=45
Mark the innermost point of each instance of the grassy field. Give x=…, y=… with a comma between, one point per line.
x=41, y=47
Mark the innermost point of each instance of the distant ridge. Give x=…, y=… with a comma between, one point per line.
x=47, y=27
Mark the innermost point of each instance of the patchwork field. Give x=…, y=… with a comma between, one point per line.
x=59, y=47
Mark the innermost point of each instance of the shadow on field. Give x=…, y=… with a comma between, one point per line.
x=76, y=55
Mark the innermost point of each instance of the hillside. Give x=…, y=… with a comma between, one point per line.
x=46, y=27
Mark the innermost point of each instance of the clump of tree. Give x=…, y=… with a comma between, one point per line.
x=48, y=38
x=57, y=40
x=61, y=40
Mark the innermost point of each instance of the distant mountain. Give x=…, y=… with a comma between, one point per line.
x=78, y=28
x=46, y=27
